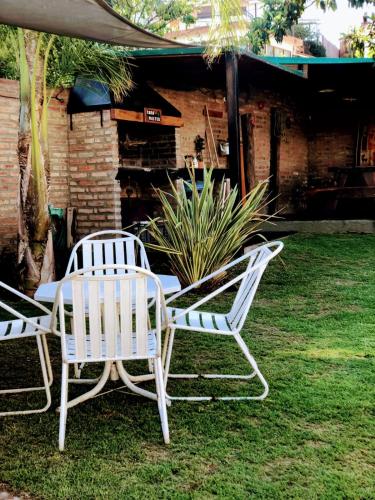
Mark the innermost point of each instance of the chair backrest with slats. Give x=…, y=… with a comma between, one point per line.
x=108, y=247
x=257, y=263
x=110, y=313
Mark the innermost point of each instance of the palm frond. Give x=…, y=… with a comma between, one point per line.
x=90, y=60
x=228, y=28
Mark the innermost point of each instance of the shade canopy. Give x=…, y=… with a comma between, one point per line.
x=88, y=19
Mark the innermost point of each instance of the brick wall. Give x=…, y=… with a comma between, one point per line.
x=84, y=161
x=191, y=105
x=9, y=172
x=293, y=144
x=332, y=142
x=93, y=165
x=83, y=165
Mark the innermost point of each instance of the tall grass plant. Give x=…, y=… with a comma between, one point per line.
x=203, y=229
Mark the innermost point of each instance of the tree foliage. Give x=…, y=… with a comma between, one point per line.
x=68, y=58
x=310, y=35
x=280, y=16
x=156, y=15
x=72, y=57
x=8, y=60
x=361, y=41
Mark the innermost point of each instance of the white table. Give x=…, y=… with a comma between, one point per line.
x=47, y=292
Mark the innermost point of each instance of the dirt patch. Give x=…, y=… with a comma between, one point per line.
x=6, y=493
x=330, y=353
x=346, y=283
x=321, y=429
x=315, y=443
x=205, y=469
x=157, y=454
x=277, y=467
x=360, y=457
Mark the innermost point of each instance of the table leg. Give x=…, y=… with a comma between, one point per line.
x=114, y=375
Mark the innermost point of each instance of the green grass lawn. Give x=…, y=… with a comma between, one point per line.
x=312, y=332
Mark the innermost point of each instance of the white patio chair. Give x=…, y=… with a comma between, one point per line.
x=110, y=246
x=107, y=247
x=21, y=327
x=230, y=324
x=114, y=297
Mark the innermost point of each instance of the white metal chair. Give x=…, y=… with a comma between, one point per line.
x=118, y=328
x=21, y=327
x=230, y=324
x=110, y=246
x=107, y=247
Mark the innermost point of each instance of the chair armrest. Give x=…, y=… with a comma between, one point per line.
x=24, y=297
x=209, y=297
x=207, y=278
x=24, y=318
x=279, y=245
x=249, y=255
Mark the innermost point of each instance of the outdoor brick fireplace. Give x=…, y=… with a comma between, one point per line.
x=146, y=153
x=146, y=146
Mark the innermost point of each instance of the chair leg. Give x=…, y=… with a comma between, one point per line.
x=168, y=354
x=151, y=366
x=162, y=403
x=45, y=367
x=95, y=390
x=48, y=360
x=165, y=346
x=63, y=404
x=254, y=365
x=249, y=358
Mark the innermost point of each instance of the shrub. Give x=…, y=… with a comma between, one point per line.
x=204, y=230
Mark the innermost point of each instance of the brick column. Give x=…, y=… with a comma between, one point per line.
x=58, y=150
x=93, y=165
x=9, y=169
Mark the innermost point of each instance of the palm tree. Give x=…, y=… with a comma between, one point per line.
x=45, y=62
x=228, y=28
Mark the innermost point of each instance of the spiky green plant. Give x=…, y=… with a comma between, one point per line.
x=203, y=231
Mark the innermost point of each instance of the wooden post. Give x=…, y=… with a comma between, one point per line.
x=275, y=157
x=231, y=71
x=248, y=150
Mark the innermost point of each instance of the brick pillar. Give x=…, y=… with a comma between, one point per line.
x=93, y=165
x=9, y=169
x=58, y=150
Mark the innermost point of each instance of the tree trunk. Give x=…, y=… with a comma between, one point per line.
x=35, y=250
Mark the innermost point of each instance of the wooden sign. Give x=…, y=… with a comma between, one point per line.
x=152, y=115
x=138, y=116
